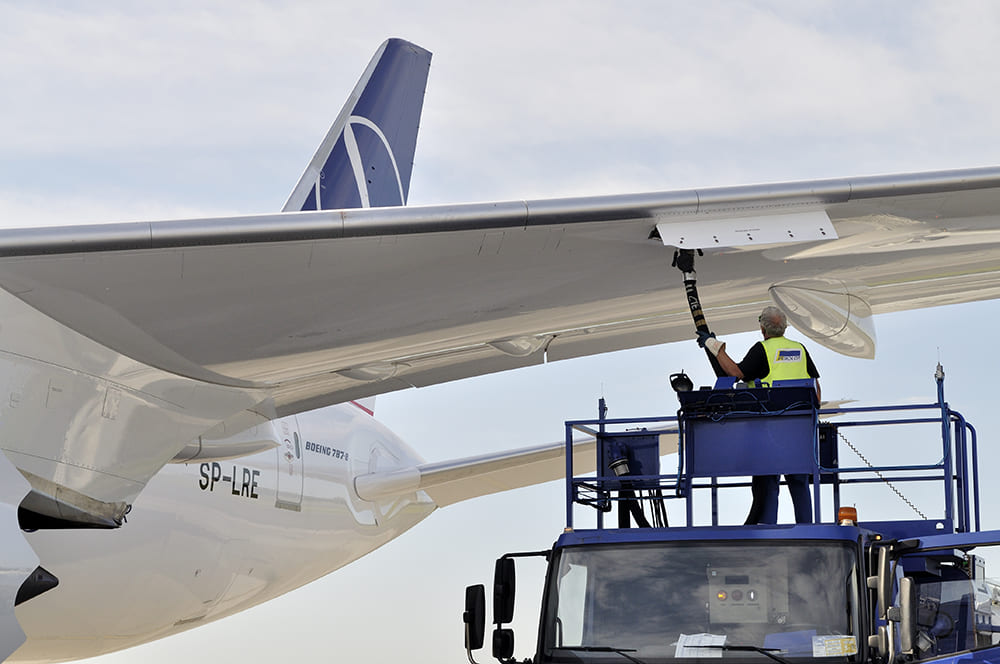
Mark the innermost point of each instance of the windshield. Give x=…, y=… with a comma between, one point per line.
x=680, y=601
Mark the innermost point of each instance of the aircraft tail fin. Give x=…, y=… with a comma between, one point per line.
x=367, y=156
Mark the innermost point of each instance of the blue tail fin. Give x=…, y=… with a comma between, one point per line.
x=367, y=156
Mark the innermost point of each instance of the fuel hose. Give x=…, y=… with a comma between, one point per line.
x=684, y=261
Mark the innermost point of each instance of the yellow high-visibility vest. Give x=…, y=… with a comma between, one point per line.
x=786, y=360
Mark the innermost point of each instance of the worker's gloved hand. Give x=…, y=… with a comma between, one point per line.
x=708, y=340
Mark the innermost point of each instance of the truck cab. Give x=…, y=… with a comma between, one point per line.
x=839, y=589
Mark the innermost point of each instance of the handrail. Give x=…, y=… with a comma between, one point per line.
x=957, y=466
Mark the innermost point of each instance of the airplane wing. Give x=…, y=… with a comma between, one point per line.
x=313, y=308
x=449, y=482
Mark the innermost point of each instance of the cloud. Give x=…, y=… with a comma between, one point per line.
x=19, y=209
x=524, y=100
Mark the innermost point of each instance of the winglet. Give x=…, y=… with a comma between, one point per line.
x=367, y=156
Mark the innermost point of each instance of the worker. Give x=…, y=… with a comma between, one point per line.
x=774, y=358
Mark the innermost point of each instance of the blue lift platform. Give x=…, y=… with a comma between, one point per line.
x=729, y=432
x=841, y=589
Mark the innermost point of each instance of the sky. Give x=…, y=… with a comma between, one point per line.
x=131, y=110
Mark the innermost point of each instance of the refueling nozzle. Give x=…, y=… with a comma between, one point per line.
x=684, y=261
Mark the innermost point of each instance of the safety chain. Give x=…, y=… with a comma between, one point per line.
x=880, y=475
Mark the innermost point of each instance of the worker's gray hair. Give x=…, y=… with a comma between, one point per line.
x=773, y=322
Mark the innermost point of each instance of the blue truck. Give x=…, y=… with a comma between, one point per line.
x=839, y=589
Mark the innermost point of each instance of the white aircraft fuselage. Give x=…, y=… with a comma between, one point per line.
x=207, y=539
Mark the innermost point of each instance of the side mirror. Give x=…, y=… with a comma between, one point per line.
x=884, y=579
x=881, y=583
x=503, y=643
x=503, y=592
x=474, y=617
x=907, y=616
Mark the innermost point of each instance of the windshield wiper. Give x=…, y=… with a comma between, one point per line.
x=624, y=652
x=767, y=652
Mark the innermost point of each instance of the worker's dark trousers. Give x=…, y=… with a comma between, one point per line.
x=765, y=498
x=764, y=508
x=798, y=486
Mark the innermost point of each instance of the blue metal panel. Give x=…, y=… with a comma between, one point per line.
x=959, y=540
x=906, y=528
x=824, y=532
x=764, y=431
x=642, y=450
x=750, y=446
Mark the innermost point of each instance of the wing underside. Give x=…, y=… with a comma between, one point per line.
x=323, y=307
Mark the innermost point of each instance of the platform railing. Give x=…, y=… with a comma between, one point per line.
x=705, y=457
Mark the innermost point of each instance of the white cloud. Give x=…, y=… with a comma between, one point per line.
x=19, y=210
x=630, y=90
